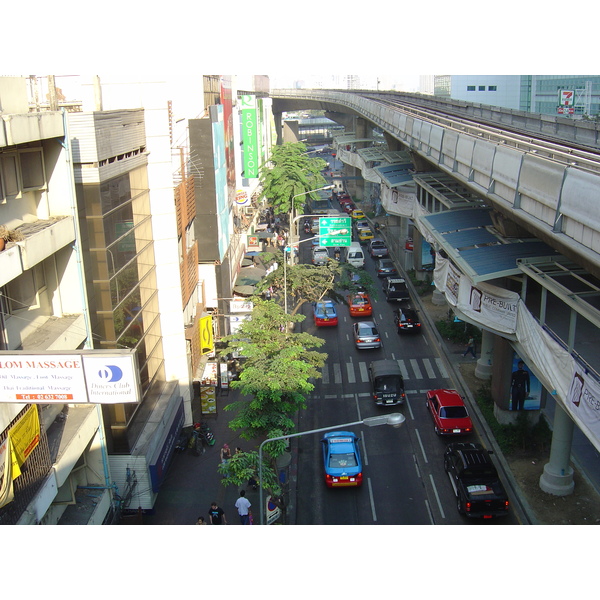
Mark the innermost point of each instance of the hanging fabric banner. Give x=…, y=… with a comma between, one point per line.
x=6, y=479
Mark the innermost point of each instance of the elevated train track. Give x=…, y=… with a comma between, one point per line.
x=552, y=147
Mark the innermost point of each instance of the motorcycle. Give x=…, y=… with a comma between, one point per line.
x=182, y=442
x=205, y=434
x=306, y=227
x=337, y=254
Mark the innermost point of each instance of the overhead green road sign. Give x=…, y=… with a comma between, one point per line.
x=335, y=231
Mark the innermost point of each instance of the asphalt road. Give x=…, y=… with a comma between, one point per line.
x=404, y=482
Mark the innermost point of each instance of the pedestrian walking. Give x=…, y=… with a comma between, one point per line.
x=225, y=454
x=243, y=507
x=519, y=385
x=225, y=457
x=216, y=515
x=470, y=347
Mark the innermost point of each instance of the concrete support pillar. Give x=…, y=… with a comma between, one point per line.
x=557, y=478
x=483, y=370
x=277, y=117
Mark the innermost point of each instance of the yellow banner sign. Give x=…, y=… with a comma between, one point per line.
x=25, y=435
x=206, y=335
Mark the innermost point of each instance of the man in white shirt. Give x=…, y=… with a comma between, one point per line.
x=243, y=506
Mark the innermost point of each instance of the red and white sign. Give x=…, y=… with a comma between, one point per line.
x=566, y=97
x=94, y=376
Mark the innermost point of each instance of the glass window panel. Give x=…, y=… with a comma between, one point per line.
x=32, y=169
x=10, y=177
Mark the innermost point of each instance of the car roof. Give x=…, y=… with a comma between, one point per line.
x=385, y=367
x=448, y=397
x=365, y=324
x=320, y=249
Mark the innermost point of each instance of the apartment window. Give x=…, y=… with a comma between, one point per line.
x=20, y=171
x=470, y=88
x=32, y=169
x=482, y=88
x=492, y=88
x=9, y=175
x=23, y=292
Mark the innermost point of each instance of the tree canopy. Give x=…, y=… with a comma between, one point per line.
x=277, y=368
x=291, y=172
x=311, y=283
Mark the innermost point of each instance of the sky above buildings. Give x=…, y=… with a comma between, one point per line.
x=396, y=41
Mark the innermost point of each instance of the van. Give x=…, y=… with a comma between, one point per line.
x=355, y=255
x=386, y=382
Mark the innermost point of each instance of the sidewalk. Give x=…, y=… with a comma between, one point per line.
x=193, y=482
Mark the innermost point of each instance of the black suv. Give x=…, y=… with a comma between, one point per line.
x=407, y=320
x=479, y=491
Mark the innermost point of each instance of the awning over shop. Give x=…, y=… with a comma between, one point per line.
x=467, y=237
x=250, y=276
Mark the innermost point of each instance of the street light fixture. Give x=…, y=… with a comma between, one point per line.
x=393, y=419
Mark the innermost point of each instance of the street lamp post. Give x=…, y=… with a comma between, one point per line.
x=393, y=419
x=292, y=208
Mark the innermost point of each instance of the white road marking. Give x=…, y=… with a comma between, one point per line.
x=437, y=496
x=350, y=370
x=337, y=373
x=415, y=365
x=421, y=444
x=371, y=498
x=440, y=365
x=364, y=373
x=429, y=368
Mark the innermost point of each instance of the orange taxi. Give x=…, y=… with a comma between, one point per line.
x=360, y=305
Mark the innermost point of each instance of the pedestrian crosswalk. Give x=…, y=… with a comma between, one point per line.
x=412, y=369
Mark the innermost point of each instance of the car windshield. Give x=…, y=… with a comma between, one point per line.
x=359, y=301
x=326, y=310
x=342, y=460
x=453, y=412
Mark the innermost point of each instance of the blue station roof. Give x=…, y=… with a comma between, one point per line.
x=468, y=238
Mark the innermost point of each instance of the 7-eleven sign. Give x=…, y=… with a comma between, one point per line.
x=566, y=97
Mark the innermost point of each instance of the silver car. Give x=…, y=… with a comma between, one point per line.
x=366, y=335
x=320, y=255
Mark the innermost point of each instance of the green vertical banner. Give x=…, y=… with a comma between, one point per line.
x=250, y=136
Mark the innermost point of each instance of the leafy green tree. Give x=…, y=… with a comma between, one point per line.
x=312, y=283
x=244, y=465
x=277, y=368
x=291, y=172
